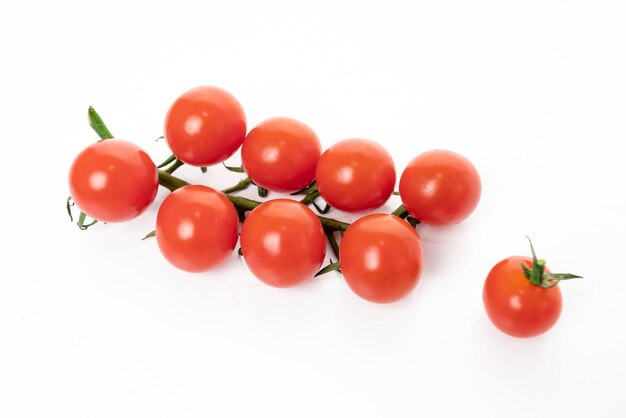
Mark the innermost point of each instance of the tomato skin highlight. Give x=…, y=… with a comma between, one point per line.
x=381, y=258
x=440, y=187
x=205, y=126
x=355, y=175
x=113, y=180
x=281, y=154
x=196, y=228
x=283, y=243
x=516, y=306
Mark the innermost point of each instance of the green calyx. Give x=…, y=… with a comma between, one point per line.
x=539, y=277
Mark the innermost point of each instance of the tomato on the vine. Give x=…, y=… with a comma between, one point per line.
x=381, y=258
x=440, y=187
x=283, y=242
x=281, y=154
x=113, y=180
x=196, y=228
x=355, y=175
x=205, y=126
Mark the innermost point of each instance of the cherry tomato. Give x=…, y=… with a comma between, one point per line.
x=113, y=180
x=355, y=175
x=205, y=126
x=381, y=258
x=196, y=228
x=440, y=187
x=281, y=154
x=283, y=242
x=515, y=305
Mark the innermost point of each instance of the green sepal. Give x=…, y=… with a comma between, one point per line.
x=150, y=234
x=331, y=267
x=234, y=169
x=81, y=221
x=69, y=208
x=97, y=124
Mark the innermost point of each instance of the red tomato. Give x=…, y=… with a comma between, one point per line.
x=113, y=180
x=196, y=228
x=515, y=305
x=281, y=154
x=440, y=187
x=283, y=242
x=205, y=126
x=381, y=258
x=355, y=175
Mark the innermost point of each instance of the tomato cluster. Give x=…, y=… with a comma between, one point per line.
x=282, y=241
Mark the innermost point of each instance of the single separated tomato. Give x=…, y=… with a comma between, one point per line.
x=440, y=187
x=113, y=180
x=283, y=242
x=521, y=296
x=281, y=154
x=196, y=228
x=381, y=258
x=205, y=126
x=355, y=175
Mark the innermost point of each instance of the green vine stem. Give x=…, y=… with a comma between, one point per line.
x=167, y=162
x=242, y=203
x=310, y=198
x=178, y=163
x=242, y=185
x=330, y=235
x=400, y=212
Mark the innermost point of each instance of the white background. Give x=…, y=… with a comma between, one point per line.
x=97, y=324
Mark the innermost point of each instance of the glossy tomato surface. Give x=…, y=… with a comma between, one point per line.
x=355, y=175
x=205, y=126
x=381, y=258
x=113, y=180
x=440, y=187
x=196, y=228
x=283, y=243
x=281, y=154
x=515, y=305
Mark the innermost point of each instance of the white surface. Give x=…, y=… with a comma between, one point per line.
x=97, y=324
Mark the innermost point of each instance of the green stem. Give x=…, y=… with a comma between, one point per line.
x=330, y=235
x=310, y=198
x=169, y=161
x=242, y=203
x=178, y=163
x=400, y=212
x=242, y=185
x=170, y=182
x=310, y=188
x=97, y=124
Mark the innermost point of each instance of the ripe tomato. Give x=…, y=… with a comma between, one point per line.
x=283, y=242
x=381, y=258
x=113, y=180
x=355, y=175
x=205, y=126
x=281, y=154
x=196, y=228
x=440, y=187
x=515, y=305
